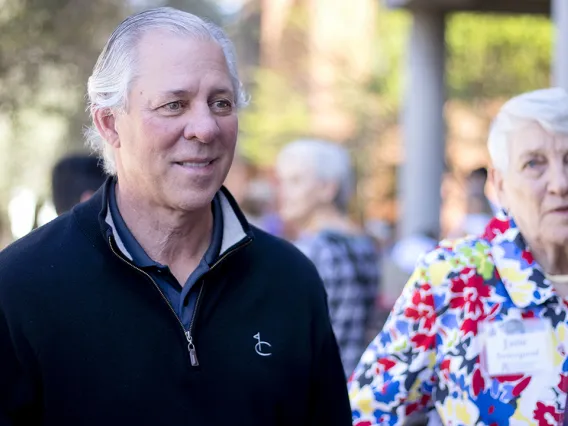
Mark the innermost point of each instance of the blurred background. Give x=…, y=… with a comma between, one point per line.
x=409, y=87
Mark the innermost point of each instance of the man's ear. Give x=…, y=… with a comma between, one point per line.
x=105, y=121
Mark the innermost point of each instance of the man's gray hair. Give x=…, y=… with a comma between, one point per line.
x=114, y=71
x=547, y=107
x=331, y=162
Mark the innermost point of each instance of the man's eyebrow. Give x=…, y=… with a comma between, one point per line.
x=222, y=91
x=182, y=93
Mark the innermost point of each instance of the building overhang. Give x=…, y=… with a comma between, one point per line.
x=501, y=6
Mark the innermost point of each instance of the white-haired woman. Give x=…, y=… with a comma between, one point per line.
x=480, y=331
x=315, y=185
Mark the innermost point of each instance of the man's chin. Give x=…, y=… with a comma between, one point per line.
x=193, y=200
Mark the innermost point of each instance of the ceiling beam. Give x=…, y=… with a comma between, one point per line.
x=500, y=6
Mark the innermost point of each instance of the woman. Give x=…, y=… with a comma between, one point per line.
x=480, y=331
x=315, y=185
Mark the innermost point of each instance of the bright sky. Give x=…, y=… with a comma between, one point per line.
x=230, y=6
x=226, y=6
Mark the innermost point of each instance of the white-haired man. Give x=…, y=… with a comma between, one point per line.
x=155, y=303
x=479, y=333
x=316, y=181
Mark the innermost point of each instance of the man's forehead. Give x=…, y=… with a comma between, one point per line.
x=161, y=48
x=156, y=37
x=170, y=64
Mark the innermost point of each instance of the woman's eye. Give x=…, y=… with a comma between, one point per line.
x=534, y=163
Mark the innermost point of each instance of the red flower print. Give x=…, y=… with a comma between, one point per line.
x=365, y=423
x=494, y=228
x=445, y=368
x=511, y=378
x=411, y=408
x=517, y=390
x=469, y=326
x=468, y=293
x=474, y=292
x=426, y=341
x=563, y=384
x=546, y=415
x=477, y=382
x=528, y=257
x=422, y=308
x=386, y=364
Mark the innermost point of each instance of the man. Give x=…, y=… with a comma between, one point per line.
x=75, y=179
x=315, y=180
x=155, y=303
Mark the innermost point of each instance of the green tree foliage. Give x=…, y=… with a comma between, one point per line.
x=497, y=56
x=278, y=113
x=47, y=49
x=488, y=56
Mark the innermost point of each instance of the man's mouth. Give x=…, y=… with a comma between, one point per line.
x=195, y=164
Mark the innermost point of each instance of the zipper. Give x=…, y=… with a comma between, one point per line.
x=187, y=333
x=188, y=336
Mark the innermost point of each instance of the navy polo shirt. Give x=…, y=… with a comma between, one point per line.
x=181, y=299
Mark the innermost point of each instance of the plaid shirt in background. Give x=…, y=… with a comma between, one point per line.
x=348, y=266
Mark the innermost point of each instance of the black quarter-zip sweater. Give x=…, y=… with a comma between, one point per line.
x=87, y=339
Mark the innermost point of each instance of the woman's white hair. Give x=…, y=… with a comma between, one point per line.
x=115, y=69
x=331, y=162
x=547, y=107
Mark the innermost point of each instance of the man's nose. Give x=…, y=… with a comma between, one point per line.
x=201, y=124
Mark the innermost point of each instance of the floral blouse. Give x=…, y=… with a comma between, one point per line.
x=429, y=355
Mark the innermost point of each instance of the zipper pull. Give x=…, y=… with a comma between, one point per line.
x=191, y=349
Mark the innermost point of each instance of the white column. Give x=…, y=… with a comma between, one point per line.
x=560, y=62
x=423, y=126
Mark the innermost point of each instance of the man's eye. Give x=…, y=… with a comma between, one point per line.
x=173, y=106
x=223, y=105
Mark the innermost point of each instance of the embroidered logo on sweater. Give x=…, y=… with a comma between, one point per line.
x=259, y=346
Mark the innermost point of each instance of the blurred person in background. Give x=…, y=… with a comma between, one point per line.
x=479, y=331
x=155, y=302
x=75, y=179
x=400, y=261
x=259, y=205
x=255, y=195
x=479, y=210
x=239, y=177
x=316, y=186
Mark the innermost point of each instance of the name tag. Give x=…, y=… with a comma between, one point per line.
x=516, y=346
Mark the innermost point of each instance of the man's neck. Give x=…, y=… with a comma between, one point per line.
x=329, y=218
x=167, y=236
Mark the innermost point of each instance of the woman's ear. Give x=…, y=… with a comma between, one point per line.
x=497, y=181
